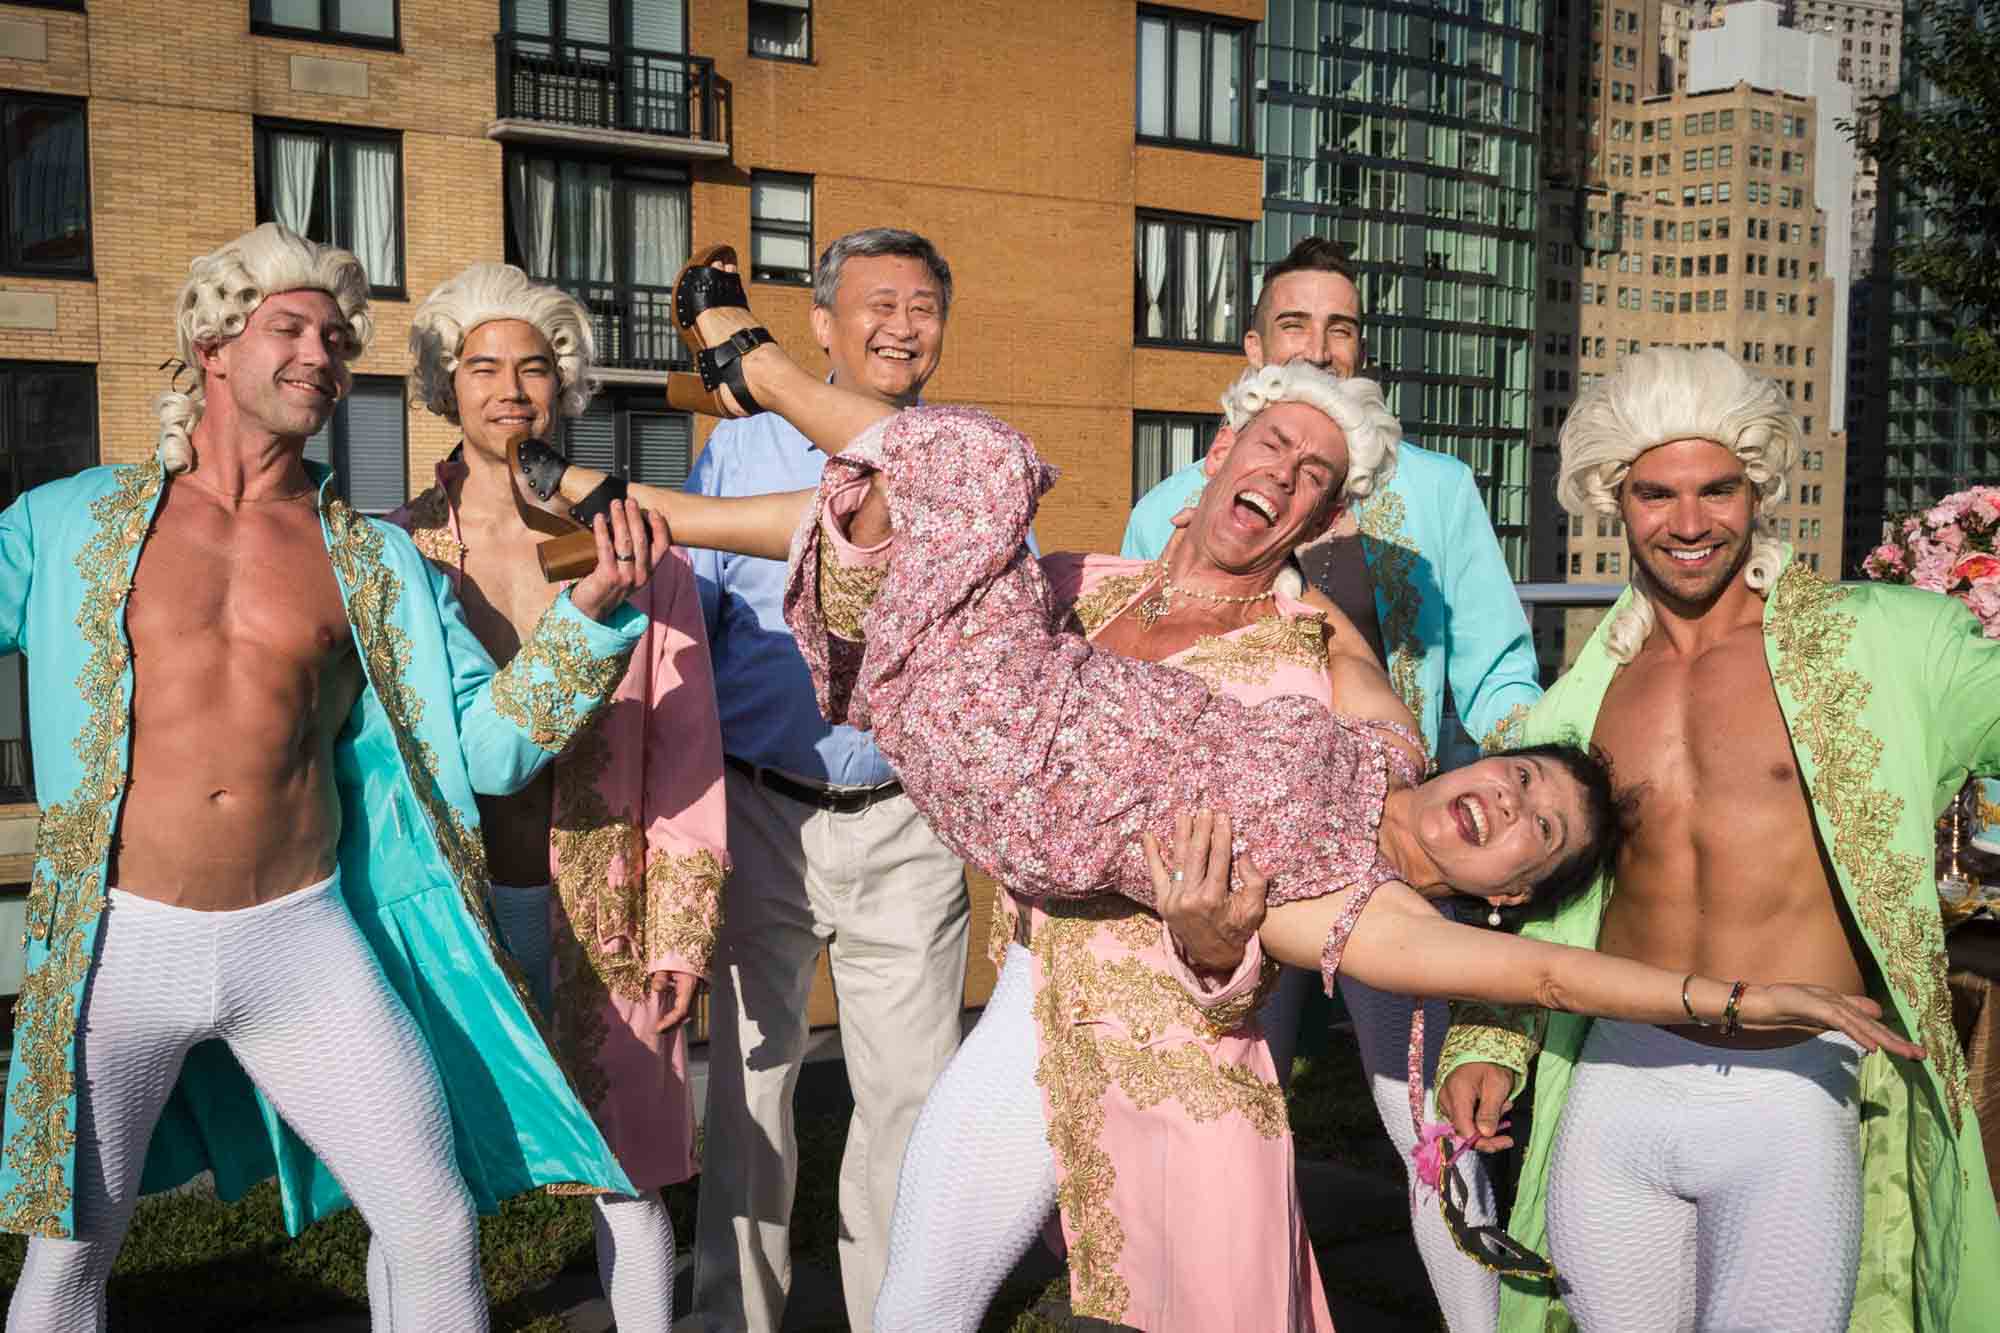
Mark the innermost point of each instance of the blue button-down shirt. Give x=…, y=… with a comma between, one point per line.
x=764, y=691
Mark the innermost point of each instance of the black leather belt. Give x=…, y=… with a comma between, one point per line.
x=849, y=801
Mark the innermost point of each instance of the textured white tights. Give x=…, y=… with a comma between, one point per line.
x=635, y=1237
x=979, y=1177
x=287, y=985
x=1698, y=1188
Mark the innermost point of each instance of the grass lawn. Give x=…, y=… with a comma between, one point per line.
x=193, y=1263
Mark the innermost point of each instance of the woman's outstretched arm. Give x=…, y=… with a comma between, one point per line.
x=1400, y=943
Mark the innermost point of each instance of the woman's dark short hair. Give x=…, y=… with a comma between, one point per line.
x=1606, y=815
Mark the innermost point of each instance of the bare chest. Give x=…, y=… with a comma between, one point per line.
x=255, y=580
x=503, y=591
x=1701, y=740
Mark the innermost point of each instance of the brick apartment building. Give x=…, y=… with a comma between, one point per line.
x=1087, y=168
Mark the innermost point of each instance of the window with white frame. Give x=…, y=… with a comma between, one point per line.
x=1193, y=76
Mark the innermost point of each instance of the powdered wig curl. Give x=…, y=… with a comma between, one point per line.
x=1355, y=405
x=480, y=295
x=1668, y=394
x=223, y=289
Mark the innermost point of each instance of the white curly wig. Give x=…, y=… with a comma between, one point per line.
x=480, y=295
x=1667, y=394
x=223, y=289
x=1354, y=405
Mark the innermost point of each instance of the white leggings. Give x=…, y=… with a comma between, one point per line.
x=292, y=988
x=635, y=1237
x=1699, y=1188
x=979, y=1177
x=1468, y=1295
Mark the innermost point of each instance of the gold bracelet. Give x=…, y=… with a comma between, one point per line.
x=1688, y=1005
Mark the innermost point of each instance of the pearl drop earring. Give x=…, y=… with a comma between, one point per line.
x=1493, y=917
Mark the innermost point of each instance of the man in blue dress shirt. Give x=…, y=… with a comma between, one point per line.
x=1417, y=569
x=826, y=847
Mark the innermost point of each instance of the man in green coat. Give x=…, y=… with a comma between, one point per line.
x=1785, y=745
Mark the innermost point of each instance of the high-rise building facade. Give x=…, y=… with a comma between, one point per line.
x=1921, y=435
x=1691, y=216
x=1399, y=131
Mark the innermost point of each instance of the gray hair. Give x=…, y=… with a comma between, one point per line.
x=868, y=243
x=1353, y=404
x=1659, y=396
x=484, y=293
x=225, y=287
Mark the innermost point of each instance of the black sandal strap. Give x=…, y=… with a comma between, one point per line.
x=722, y=365
x=704, y=289
x=542, y=466
x=608, y=492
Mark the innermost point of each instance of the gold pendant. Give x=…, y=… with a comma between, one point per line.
x=1153, y=608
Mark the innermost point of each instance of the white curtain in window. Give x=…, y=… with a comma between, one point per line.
x=775, y=199
x=374, y=203
x=1225, y=74
x=659, y=234
x=1180, y=446
x=1222, y=296
x=587, y=230
x=1187, y=83
x=1153, y=276
x=1153, y=77
x=1188, y=327
x=1148, y=465
x=531, y=209
x=294, y=167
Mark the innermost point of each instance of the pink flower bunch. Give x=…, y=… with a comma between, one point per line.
x=1429, y=1154
x=1953, y=548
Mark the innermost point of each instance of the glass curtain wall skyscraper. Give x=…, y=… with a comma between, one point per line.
x=1407, y=131
x=1923, y=435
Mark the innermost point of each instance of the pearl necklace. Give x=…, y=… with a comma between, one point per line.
x=1161, y=602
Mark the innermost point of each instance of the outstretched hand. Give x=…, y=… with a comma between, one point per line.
x=1790, y=1004
x=1211, y=922
x=631, y=541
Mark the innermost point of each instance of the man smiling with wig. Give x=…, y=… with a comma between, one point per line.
x=1789, y=743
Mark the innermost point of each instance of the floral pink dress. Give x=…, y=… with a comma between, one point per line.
x=637, y=858
x=1177, y=1193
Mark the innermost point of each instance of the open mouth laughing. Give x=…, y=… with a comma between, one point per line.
x=1473, y=823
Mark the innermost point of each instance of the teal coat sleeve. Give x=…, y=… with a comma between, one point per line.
x=1152, y=520
x=513, y=721
x=17, y=573
x=1490, y=652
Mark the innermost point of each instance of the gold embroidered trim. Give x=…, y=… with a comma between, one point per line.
x=1096, y=607
x=430, y=529
x=1081, y=1059
x=1507, y=732
x=1812, y=634
x=1251, y=655
x=552, y=709
x=67, y=892
x=1394, y=570
x=1485, y=1034
x=684, y=906
x=845, y=591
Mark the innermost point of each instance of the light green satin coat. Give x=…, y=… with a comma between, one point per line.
x=1892, y=699
x=434, y=725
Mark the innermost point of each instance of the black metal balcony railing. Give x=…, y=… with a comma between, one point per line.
x=633, y=324
x=606, y=87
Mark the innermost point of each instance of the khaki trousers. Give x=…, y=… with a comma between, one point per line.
x=889, y=901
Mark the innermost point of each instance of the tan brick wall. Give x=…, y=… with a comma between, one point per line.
x=75, y=334
x=67, y=69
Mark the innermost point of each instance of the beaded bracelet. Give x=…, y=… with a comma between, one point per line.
x=1730, y=1027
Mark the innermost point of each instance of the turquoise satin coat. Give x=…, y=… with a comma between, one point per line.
x=1449, y=613
x=434, y=725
